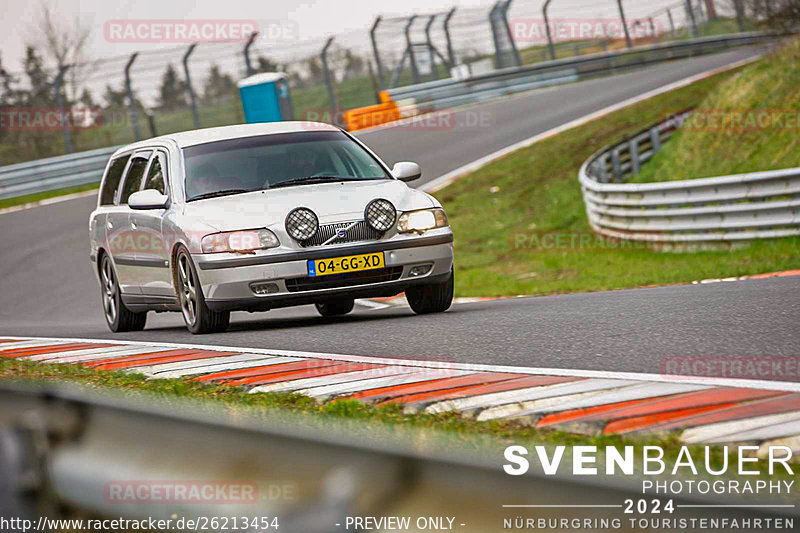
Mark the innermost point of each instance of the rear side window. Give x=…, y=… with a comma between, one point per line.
x=133, y=180
x=111, y=184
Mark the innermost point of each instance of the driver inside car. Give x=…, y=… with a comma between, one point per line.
x=205, y=180
x=301, y=162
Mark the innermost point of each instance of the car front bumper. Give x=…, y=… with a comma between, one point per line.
x=227, y=280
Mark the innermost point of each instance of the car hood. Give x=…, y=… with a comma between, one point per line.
x=332, y=202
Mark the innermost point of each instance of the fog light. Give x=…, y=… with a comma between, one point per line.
x=264, y=288
x=419, y=270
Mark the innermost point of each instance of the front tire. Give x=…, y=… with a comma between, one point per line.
x=336, y=307
x=118, y=317
x=431, y=297
x=198, y=317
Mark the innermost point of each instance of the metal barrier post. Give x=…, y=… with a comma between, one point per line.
x=376, y=53
x=498, y=51
x=131, y=102
x=189, y=89
x=65, y=124
x=450, y=54
x=410, y=48
x=434, y=68
x=329, y=79
x=671, y=22
x=628, y=41
x=739, y=14
x=692, y=20
x=514, y=51
x=246, y=53
x=550, y=44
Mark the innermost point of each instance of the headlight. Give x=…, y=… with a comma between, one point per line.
x=239, y=241
x=380, y=215
x=421, y=221
x=302, y=224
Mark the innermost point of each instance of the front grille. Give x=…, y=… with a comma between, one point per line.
x=350, y=279
x=360, y=232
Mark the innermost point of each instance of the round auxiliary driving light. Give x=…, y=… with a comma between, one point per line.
x=380, y=215
x=302, y=224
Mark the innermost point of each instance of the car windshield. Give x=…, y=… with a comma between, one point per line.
x=279, y=160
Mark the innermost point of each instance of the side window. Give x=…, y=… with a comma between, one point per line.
x=155, y=176
x=133, y=180
x=111, y=184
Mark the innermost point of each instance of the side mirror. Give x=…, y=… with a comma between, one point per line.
x=406, y=171
x=148, y=199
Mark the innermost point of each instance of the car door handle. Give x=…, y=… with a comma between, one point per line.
x=133, y=225
x=109, y=225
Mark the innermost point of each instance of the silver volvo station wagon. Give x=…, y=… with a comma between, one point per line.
x=261, y=216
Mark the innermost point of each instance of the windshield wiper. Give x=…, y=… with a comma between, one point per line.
x=314, y=179
x=217, y=194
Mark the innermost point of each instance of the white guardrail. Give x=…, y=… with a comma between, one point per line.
x=725, y=208
x=54, y=173
x=444, y=94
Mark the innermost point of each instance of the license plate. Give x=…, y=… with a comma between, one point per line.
x=342, y=265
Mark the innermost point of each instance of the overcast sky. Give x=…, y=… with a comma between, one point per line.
x=314, y=19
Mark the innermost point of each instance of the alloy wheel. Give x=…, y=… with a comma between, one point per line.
x=188, y=289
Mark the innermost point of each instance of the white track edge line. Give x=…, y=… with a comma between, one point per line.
x=787, y=386
x=49, y=201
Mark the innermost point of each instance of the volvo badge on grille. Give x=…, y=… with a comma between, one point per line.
x=341, y=233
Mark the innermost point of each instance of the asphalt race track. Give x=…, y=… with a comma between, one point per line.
x=47, y=287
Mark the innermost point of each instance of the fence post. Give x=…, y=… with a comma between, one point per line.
x=498, y=50
x=692, y=20
x=329, y=79
x=246, y=53
x=652, y=28
x=189, y=88
x=628, y=41
x=739, y=14
x=410, y=48
x=515, y=52
x=450, y=54
x=376, y=53
x=65, y=124
x=434, y=68
x=671, y=22
x=131, y=102
x=550, y=44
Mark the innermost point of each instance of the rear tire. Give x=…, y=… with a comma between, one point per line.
x=431, y=297
x=118, y=317
x=335, y=308
x=198, y=317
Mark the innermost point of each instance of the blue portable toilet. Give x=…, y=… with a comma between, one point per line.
x=265, y=97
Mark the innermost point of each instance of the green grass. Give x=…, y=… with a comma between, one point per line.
x=497, y=211
x=38, y=197
x=450, y=427
x=772, y=86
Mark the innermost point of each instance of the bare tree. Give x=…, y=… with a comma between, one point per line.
x=63, y=42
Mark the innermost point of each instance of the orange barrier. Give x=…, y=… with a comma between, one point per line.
x=374, y=115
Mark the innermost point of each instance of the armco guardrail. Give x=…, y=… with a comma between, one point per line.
x=725, y=208
x=66, y=453
x=54, y=173
x=442, y=94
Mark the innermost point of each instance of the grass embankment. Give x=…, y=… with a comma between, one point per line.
x=423, y=429
x=521, y=227
x=751, y=122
